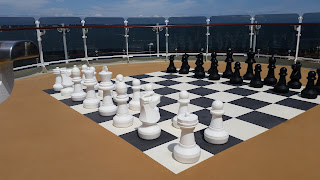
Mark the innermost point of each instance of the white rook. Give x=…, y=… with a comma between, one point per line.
x=187, y=151
x=215, y=133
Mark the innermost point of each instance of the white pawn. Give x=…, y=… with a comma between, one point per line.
x=78, y=94
x=187, y=151
x=148, y=89
x=107, y=107
x=91, y=100
x=183, y=108
x=149, y=116
x=215, y=133
x=119, y=78
x=83, y=67
x=123, y=118
x=57, y=85
x=66, y=83
x=134, y=104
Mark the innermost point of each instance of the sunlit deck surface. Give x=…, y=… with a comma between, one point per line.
x=43, y=138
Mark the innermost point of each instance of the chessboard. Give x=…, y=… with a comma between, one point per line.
x=248, y=113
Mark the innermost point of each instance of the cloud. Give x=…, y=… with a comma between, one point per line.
x=22, y=5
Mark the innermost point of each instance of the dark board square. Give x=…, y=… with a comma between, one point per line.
x=201, y=83
x=164, y=101
x=288, y=94
x=228, y=83
x=50, y=91
x=141, y=76
x=241, y=91
x=249, y=103
x=96, y=117
x=167, y=82
x=165, y=91
x=143, y=145
x=298, y=104
x=141, y=81
x=205, y=116
x=69, y=102
x=202, y=91
x=164, y=115
x=170, y=76
x=214, y=148
x=202, y=102
x=262, y=119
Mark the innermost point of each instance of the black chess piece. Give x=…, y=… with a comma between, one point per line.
x=256, y=80
x=199, y=70
x=309, y=91
x=228, y=72
x=213, y=59
x=185, y=66
x=270, y=79
x=171, y=68
x=250, y=60
x=295, y=76
x=214, y=73
x=281, y=86
x=236, y=78
x=317, y=86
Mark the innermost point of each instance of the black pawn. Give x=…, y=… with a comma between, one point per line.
x=228, y=72
x=213, y=59
x=185, y=66
x=256, y=80
x=199, y=70
x=236, y=78
x=281, y=86
x=318, y=82
x=171, y=68
x=214, y=73
x=250, y=60
x=270, y=80
x=310, y=92
x=295, y=76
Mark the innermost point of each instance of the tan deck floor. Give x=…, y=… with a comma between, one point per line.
x=41, y=138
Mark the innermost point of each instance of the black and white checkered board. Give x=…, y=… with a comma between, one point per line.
x=248, y=112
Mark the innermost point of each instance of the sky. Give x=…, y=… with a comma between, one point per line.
x=153, y=8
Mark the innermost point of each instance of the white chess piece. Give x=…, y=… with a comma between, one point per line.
x=107, y=107
x=187, y=151
x=215, y=133
x=134, y=104
x=183, y=107
x=78, y=94
x=83, y=67
x=96, y=87
x=91, y=100
x=149, y=116
x=119, y=78
x=66, y=83
x=57, y=85
x=123, y=118
x=148, y=89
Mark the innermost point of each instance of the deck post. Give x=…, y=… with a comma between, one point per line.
x=207, y=34
x=64, y=38
x=84, y=37
x=298, y=28
x=39, y=39
x=167, y=35
x=126, y=36
x=251, y=31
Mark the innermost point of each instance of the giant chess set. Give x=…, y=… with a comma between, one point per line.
x=181, y=117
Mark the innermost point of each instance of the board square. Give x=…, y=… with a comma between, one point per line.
x=143, y=145
x=249, y=103
x=96, y=117
x=141, y=76
x=219, y=87
x=214, y=148
x=167, y=82
x=237, y=85
x=165, y=91
x=164, y=115
x=202, y=102
x=50, y=91
x=288, y=94
x=183, y=86
x=267, y=97
x=262, y=119
x=223, y=96
x=281, y=111
x=205, y=116
x=201, y=91
x=170, y=76
x=130, y=82
x=294, y=103
x=164, y=101
x=120, y=131
x=200, y=83
x=241, y=91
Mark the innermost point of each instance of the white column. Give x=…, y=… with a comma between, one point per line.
x=298, y=39
x=251, y=31
x=208, y=34
x=39, y=39
x=64, y=38
x=167, y=35
x=84, y=37
x=127, y=36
